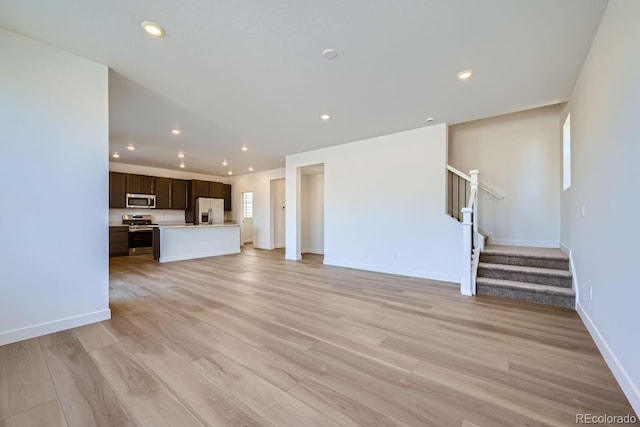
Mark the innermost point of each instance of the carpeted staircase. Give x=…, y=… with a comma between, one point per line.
x=529, y=274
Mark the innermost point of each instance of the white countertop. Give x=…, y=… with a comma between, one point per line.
x=196, y=226
x=179, y=225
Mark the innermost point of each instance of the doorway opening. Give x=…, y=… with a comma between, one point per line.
x=278, y=213
x=247, y=217
x=312, y=212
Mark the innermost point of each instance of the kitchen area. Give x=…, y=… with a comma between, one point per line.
x=172, y=219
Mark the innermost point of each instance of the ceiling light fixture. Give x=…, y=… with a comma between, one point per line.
x=152, y=28
x=182, y=165
x=224, y=163
x=181, y=155
x=325, y=117
x=329, y=54
x=230, y=173
x=175, y=131
x=244, y=147
x=130, y=147
x=250, y=168
x=430, y=119
x=465, y=74
x=116, y=155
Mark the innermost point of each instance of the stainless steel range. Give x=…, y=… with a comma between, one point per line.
x=140, y=233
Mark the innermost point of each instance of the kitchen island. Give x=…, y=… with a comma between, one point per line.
x=180, y=242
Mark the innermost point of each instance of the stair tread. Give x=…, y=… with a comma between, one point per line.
x=524, y=269
x=521, y=251
x=557, y=290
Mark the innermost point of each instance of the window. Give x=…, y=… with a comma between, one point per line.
x=247, y=204
x=566, y=153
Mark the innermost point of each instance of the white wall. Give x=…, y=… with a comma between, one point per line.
x=260, y=184
x=54, y=237
x=384, y=205
x=605, y=130
x=312, y=214
x=519, y=155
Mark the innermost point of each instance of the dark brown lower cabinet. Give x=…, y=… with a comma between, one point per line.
x=118, y=240
x=156, y=243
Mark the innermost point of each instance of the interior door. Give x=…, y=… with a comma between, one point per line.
x=247, y=217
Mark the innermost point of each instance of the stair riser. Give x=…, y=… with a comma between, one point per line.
x=529, y=296
x=542, y=279
x=552, y=263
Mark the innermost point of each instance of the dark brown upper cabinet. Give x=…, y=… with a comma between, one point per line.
x=200, y=188
x=163, y=193
x=140, y=184
x=117, y=189
x=207, y=189
x=227, y=197
x=170, y=193
x=179, y=194
x=216, y=190
x=197, y=188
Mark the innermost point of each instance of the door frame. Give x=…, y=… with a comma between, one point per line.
x=241, y=214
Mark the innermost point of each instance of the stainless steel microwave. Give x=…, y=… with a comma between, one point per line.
x=141, y=201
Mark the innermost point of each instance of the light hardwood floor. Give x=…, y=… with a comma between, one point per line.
x=254, y=340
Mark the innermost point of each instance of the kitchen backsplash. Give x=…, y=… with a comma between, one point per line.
x=160, y=216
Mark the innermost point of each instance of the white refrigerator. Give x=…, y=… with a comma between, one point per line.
x=209, y=211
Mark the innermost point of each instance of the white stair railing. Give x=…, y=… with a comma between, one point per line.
x=470, y=241
x=481, y=186
x=459, y=185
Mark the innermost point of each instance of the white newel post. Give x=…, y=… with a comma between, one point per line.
x=474, y=190
x=465, y=284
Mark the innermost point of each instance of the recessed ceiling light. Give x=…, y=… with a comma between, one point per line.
x=175, y=131
x=329, y=54
x=244, y=147
x=465, y=74
x=130, y=147
x=181, y=155
x=430, y=119
x=325, y=117
x=224, y=163
x=152, y=28
x=250, y=168
x=230, y=173
x=182, y=165
x=116, y=155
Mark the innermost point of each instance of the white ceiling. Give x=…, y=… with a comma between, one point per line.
x=250, y=72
